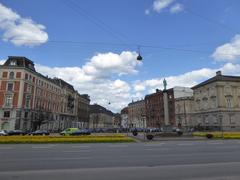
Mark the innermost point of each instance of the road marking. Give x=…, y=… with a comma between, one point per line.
x=41, y=147
x=117, y=146
x=77, y=151
x=185, y=144
x=80, y=146
x=5, y=148
x=153, y=145
x=214, y=143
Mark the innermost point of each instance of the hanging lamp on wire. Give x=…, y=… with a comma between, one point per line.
x=139, y=57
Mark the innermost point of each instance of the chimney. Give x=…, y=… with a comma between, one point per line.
x=218, y=73
x=157, y=90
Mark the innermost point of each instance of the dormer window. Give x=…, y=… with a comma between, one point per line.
x=13, y=63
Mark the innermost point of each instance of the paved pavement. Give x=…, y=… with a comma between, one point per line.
x=210, y=159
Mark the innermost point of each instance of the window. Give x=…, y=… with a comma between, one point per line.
x=28, y=100
x=29, y=88
x=13, y=63
x=6, y=114
x=11, y=75
x=26, y=114
x=4, y=75
x=26, y=76
x=229, y=102
x=8, y=100
x=231, y=119
x=10, y=87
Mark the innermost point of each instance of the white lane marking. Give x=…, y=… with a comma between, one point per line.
x=79, y=151
x=41, y=147
x=185, y=144
x=214, y=143
x=80, y=146
x=117, y=146
x=153, y=145
x=5, y=148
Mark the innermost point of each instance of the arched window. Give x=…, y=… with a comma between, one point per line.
x=11, y=75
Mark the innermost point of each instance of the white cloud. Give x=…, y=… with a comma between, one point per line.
x=159, y=5
x=20, y=31
x=2, y=61
x=188, y=79
x=229, y=51
x=110, y=88
x=176, y=8
x=95, y=77
x=168, y=5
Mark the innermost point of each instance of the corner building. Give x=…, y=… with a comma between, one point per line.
x=30, y=101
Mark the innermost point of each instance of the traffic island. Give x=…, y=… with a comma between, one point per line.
x=65, y=139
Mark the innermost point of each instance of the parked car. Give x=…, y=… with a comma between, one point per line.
x=16, y=132
x=81, y=132
x=40, y=132
x=3, y=133
x=68, y=131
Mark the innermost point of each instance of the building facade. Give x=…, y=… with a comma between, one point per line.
x=137, y=114
x=124, y=118
x=217, y=103
x=30, y=101
x=184, y=108
x=100, y=117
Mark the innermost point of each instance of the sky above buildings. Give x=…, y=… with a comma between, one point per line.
x=93, y=44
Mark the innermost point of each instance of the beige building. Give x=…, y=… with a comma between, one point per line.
x=184, y=111
x=100, y=117
x=137, y=114
x=217, y=103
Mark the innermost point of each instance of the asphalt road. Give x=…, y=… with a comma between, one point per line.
x=181, y=160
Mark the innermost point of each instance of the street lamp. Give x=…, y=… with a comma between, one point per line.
x=139, y=57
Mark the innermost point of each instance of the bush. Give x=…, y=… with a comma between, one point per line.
x=209, y=136
x=149, y=136
x=180, y=133
x=135, y=133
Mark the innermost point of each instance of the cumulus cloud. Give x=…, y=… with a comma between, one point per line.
x=168, y=5
x=188, y=79
x=95, y=77
x=176, y=8
x=20, y=31
x=2, y=61
x=104, y=89
x=229, y=51
x=159, y=5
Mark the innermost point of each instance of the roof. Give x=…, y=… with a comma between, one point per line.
x=218, y=77
x=19, y=61
x=95, y=108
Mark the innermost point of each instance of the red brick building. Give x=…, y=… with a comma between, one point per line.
x=29, y=100
x=158, y=113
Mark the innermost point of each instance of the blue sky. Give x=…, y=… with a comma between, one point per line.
x=92, y=44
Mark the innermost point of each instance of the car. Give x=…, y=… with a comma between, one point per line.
x=40, y=132
x=81, y=132
x=3, y=133
x=16, y=132
x=68, y=131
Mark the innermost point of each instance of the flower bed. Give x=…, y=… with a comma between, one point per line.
x=226, y=135
x=64, y=139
